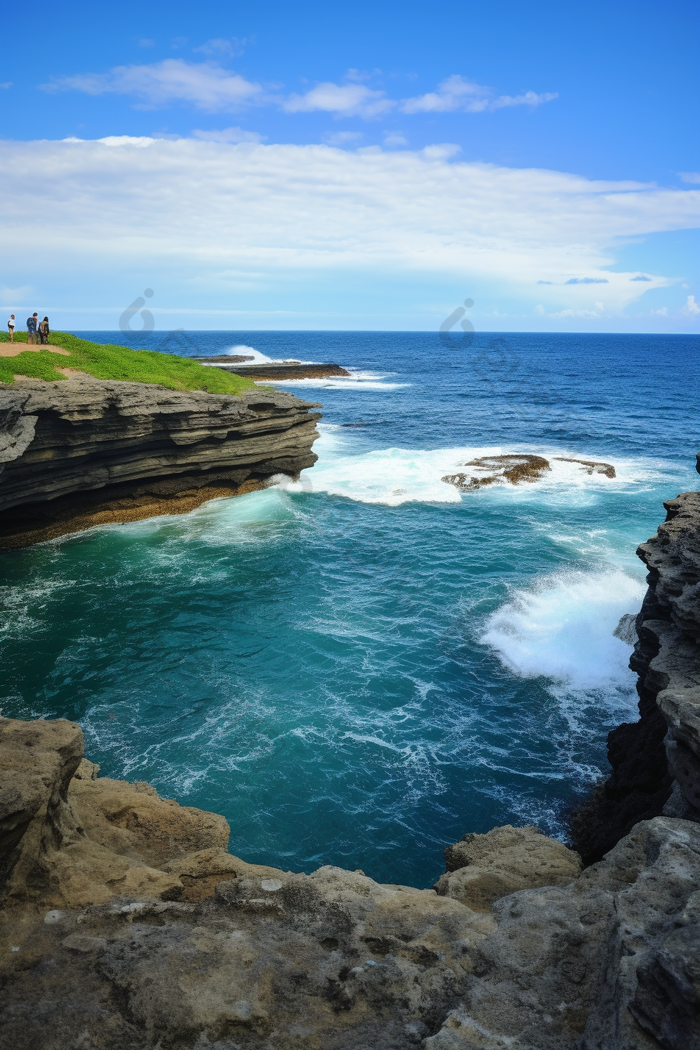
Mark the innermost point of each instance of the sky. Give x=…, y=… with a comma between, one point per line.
x=364, y=166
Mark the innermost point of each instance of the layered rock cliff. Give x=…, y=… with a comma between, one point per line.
x=84, y=451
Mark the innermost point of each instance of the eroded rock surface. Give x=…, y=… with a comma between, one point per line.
x=515, y=468
x=68, y=448
x=483, y=868
x=656, y=761
x=128, y=926
x=491, y=469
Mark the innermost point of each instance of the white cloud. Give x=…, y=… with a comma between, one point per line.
x=395, y=139
x=210, y=87
x=690, y=176
x=5, y=84
x=228, y=135
x=205, y=85
x=141, y=141
x=344, y=138
x=691, y=308
x=530, y=98
x=199, y=210
x=343, y=100
x=661, y=312
x=457, y=93
x=222, y=47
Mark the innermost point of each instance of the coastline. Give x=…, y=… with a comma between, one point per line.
x=108, y=888
x=85, y=452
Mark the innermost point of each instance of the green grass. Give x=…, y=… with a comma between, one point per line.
x=117, y=362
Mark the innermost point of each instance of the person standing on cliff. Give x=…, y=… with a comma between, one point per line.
x=11, y=327
x=31, y=328
x=44, y=331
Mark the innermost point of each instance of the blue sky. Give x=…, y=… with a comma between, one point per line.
x=369, y=166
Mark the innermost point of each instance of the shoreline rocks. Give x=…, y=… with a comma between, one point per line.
x=85, y=452
x=656, y=761
x=128, y=926
x=275, y=369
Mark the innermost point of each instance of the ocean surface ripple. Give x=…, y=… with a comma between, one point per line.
x=360, y=667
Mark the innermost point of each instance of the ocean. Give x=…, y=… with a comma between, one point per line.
x=359, y=668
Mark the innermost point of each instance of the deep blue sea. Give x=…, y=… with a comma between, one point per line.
x=359, y=668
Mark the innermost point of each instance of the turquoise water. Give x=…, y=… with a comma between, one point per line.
x=359, y=668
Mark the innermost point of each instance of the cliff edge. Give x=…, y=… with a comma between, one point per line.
x=656, y=761
x=127, y=925
x=87, y=451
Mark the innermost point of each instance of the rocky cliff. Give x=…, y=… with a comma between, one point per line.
x=87, y=451
x=656, y=761
x=128, y=926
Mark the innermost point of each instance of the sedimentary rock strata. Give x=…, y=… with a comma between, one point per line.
x=79, y=452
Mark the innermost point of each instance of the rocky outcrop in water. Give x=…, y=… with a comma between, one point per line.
x=515, y=468
x=128, y=926
x=275, y=369
x=85, y=451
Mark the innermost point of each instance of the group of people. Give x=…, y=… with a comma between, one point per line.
x=35, y=328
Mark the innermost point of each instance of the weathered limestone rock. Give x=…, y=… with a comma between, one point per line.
x=127, y=926
x=72, y=448
x=483, y=868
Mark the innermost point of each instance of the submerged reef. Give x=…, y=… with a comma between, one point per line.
x=85, y=452
x=128, y=926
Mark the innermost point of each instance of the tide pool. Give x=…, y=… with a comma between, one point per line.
x=362, y=666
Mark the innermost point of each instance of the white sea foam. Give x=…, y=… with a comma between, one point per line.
x=393, y=476
x=390, y=476
x=248, y=351
x=259, y=358
x=357, y=380
x=562, y=629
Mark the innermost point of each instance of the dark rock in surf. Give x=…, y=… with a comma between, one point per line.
x=656, y=761
x=514, y=469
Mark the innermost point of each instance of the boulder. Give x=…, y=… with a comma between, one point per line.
x=483, y=868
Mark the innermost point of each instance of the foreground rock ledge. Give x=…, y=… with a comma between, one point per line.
x=128, y=926
x=87, y=452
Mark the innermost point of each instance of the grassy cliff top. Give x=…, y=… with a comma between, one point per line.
x=114, y=362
